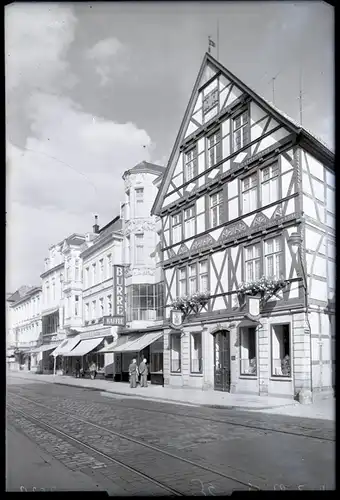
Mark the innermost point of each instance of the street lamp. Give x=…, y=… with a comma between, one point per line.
x=295, y=243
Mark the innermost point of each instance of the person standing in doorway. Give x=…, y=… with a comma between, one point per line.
x=143, y=370
x=133, y=373
x=77, y=368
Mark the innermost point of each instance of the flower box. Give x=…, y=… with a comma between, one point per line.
x=264, y=288
x=191, y=303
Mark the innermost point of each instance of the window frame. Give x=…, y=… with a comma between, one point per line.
x=272, y=374
x=179, y=224
x=274, y=163
x=203, y=274
x=140, y=252
x=192, y=265
x=274, y=254
x=200, y=370
x=253, y=259
x=219, y=206
x=241, y=332
x=171, y=336
x=246, y=126
x=185, y=280
x=190, y=219
x=194, y=161
x=139, y=200
x=255, y=188
x=216, y=146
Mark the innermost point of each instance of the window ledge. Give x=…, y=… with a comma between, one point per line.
x=196, y=374
x=279, y=378
x=175, y=374
x=247, y=377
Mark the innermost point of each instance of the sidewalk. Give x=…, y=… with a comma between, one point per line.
x=324, y=409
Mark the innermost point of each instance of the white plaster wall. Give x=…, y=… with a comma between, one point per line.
x=318, y=290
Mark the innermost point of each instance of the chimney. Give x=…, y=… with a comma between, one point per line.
x=95, y=226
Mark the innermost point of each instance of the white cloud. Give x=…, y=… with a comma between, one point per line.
x=110, y=57
x=71, y=163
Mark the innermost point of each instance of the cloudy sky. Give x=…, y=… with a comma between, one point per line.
x=88, y=85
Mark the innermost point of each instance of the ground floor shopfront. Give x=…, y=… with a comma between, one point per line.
x=144, y=344
x=274, y=356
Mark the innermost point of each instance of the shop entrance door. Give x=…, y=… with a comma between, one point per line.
x=222, y=361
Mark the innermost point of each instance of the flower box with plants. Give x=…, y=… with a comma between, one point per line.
x=191, y=303
x=263, y=287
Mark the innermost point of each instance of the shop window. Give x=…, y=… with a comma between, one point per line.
x=196, y=359
x=156, y=356
x=248, y=351
x=175, y=352
x=281, y=355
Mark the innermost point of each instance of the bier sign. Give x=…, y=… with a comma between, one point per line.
x=118, y=294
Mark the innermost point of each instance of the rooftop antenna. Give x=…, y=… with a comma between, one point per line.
x=273, y=85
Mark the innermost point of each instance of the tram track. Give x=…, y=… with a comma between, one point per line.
x=153, y=454
x=258, y=426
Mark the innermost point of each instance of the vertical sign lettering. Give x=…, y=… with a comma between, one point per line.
x=118, y=291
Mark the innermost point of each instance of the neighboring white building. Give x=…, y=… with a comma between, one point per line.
x=97, y=257
x=25, y=325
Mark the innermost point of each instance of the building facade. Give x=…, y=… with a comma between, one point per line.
x=25, y=326
x=247, y=194
x=142, y=334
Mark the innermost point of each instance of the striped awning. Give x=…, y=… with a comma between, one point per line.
x=84, y=347
x=135, y=343
x=66, y=346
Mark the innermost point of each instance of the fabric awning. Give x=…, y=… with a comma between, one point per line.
x=138, y=342
x=84, y=347
x=119, y=342
x=44, y=348
x=66, y=346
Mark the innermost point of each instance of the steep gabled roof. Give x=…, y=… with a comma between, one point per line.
x=280, y=116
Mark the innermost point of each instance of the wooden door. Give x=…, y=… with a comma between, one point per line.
x=222, y=361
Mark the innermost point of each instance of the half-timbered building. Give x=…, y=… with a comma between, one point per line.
x=247, y=193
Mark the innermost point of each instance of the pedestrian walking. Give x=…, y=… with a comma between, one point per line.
x=133, y=373
x=143, y=370
x=77, y=368
x=93, y=370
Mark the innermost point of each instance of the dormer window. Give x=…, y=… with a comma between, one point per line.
x=190, y=165
x=240, y=130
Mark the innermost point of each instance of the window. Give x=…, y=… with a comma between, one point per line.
x=249, y=194
x=273, y=257
x=216, y=209
x=204, y=285
x=182, y=281
x=190, y=169
x=94, y=309
x=61, y=286
x=248, y=351
x=139, y=195
x=109, y=305
x=189, y=222
x=175, y=352
x=53, y=289
x=176, y=228
x=87, y=311
x=281, y=362
x=156, y=356
x=101, y=270
x=101, y=305
x=145, y=302
x=253, y=262
x=196, y=359
x=139, y=248
x=214, y=148
x=270, y=184
x=77, y=270
x=87, y=277
x=94, y=274
x=68, y=270
x=76, y=305
x=240, y=131
x=109, y=266
x=128, y=250
x=192, y=278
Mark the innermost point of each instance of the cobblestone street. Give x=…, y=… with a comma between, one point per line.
x=167, y=447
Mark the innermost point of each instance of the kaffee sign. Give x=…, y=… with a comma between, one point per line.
x=119, y=293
